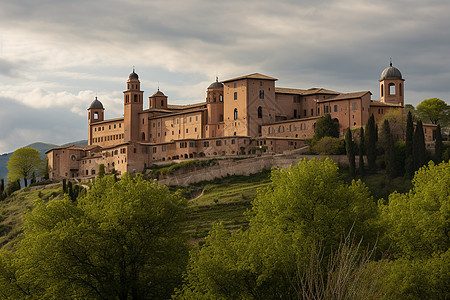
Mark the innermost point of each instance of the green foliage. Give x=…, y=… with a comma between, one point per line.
x=418, y=221
x=387, y=141
x=325, y=126
x=409, y=158
x=433, y=110
x=23, y=163
x=361, y=152
x=121, y=241
x=439, y=146
x=329, y=145
x=350, y=149
x=11, y=187
x=303, y=204
x=101, y=170
x=419, y=154
x=371, y=138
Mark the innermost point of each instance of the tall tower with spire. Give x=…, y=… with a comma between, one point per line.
x=133, y=105
x=392, y=86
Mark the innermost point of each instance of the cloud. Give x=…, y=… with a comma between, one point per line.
x=61, y=54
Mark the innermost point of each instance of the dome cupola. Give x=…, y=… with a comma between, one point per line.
x=96, y=104
x=216, y=84
x=391, y=72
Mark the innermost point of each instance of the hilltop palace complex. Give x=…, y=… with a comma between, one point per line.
x=241, y=116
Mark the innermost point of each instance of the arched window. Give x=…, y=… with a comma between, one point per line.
x=400, y=90
x=235, y=113
x=96, y=116
x=135, y=98
x=281, y=128
x=382, y=90
x=391, y=89
x=143, y=136
x=162, y=102
x=220, y=98
x=260, y=112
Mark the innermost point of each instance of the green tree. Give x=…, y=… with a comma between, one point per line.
x=325, y=126
x=416, y=225
x=433, y=110
x=418, y=221
x=396, y=123
x=389, y=151
x=361, y=152
x=11, y=187
x=371, y=139
x=122, y=241
x=329, y=146
x=23, y=163
x=419, y=146
x=409, y=159
x=101, y=170
x=304, y=204
x=439, y=146
x=350, y=150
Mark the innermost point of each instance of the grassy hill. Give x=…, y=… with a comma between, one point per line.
x=223, y=200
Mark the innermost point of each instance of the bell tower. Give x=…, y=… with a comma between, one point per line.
x=392, y=86
x=96, y=113
x=132, y=106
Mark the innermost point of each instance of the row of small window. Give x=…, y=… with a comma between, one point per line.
x=291, y=128
x=136, y=98
x=108, y=138
x=173, y=121
x=206, y=144
x=214, y=98
x=102, y=128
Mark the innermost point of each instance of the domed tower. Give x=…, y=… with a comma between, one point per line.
x=96, y=113
x=392, y=86
x=214, y=102
x=133, y=105
x=158, y=100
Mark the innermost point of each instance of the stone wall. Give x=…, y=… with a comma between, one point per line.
x=246, y=167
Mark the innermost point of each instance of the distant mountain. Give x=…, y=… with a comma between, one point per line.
x=41, y=147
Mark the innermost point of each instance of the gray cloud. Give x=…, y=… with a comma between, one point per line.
x=337, y=44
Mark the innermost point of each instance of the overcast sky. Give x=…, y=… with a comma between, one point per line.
x=56, y=56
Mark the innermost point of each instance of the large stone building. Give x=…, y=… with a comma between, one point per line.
x=241, y=116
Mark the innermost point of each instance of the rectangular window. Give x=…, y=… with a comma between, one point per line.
x=154, y=149
x=354, y=106
x=235, y=95
x=312, y=112
x=335, y=108
x=218, y=143
x=190, y=119
x=233, y=142
x=187, y=130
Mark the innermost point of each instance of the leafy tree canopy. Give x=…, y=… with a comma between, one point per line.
x=304, y=204
x=418, y=222
x=23, y=163
x=122, y=240
x=433, y=110
x=325, y=126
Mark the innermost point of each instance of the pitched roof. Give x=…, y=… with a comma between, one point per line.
x=310, y=91
x=74, y=147
x=252, y=76
x=345, y=96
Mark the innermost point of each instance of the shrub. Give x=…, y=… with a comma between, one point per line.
x=329, y=145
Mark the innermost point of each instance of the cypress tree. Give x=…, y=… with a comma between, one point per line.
x=439, y=146
x=361, y=152
x=371, y=142
x=389, y=151
x=101, y=170
x=419, y=146
x=2, y=188
x=70, y=189
x=64, y=186
x=349, y=147
x=409, y=160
